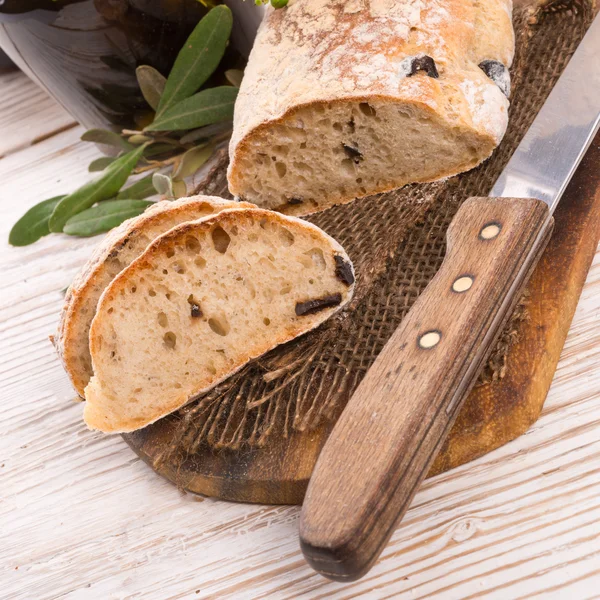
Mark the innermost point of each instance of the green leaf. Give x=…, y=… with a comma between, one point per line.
x=152, y=84
x=138, y=139
x=33, y=224
x=179, y=188
x=193, y=159
x=234, y=76
x=139, y=190
x=104, y=217
x=204, y=108
x=159, y=148
x=163, y=184
x=205, y=133
x=199, y=57
x=104, y=136
x=101, y=163
x=106, y=186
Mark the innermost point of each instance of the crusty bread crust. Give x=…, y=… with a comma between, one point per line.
x=107, y=403
x=113, y=254
x=316, y=54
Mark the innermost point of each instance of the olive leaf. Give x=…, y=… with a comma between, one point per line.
x=138, y=139
x=33, y=224
x=104, y=136
x=101, y=163
x=104, y=216
x=163, y=184
x=205, y=133
x=139, y=190
x=193, y=159
x=179, y=188
x=159, y=148
x=199, y=57
x=234, y=76
x=204, y=108
x=152, y=84
x=106, y=186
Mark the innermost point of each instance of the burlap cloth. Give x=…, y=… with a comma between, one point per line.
x=397, y=243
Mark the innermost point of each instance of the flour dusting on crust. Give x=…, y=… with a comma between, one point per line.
x=342, y=99
x=320, y=50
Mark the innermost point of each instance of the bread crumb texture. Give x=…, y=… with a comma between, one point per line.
x=200, y=302
x=345, y=98
x=116, y=251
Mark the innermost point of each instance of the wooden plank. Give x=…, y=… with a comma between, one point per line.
x=82, y=517
x=79, y=509
x=28, y=114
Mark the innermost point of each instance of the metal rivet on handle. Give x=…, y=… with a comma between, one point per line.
x=430, y=339
x=490, y=231
x=462, y=284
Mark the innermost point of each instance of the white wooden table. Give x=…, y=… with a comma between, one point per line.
x=82, y=517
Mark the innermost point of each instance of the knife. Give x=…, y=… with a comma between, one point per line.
x=399, y=416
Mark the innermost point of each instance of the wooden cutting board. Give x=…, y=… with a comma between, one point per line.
x=493, y=414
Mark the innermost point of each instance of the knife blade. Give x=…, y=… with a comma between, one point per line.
x=397, y=419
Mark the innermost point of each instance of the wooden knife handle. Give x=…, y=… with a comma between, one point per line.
x=389, y=433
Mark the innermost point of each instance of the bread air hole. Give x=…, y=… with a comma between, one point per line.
x=267, y=321
x=219, y=326
x=199, y=261
x=317, y=257
x=170, y=339
x=283, y=150
x=287, y=237
x=348, y=166
x=170, y=252
x=302, y=166
x=192, y=243
x=281, y=169
x=163, y=321
x=221, y=239
x=151, y=293
x=178, y=268
x=305, y=261
x=366, y=109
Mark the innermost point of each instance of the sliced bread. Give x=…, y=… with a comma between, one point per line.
x=347, y=98
x=118, y=249
x=204, y=299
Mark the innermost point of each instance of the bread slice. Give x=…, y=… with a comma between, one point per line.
x=204, y=299
x=118, y=249
x=346, y=98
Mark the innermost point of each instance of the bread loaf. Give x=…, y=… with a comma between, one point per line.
x=201, y=301
x=118, y=249
x=346, y=98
